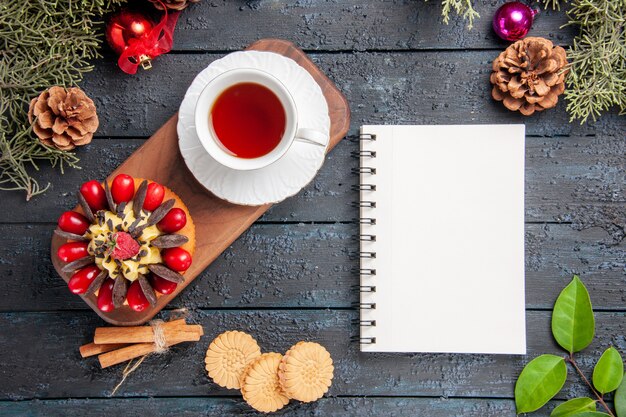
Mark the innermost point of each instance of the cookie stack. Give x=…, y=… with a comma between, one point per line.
x=269, y=380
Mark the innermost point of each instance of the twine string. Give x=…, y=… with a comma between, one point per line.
x=160, y=344
x=179, y=313
x=129, y=369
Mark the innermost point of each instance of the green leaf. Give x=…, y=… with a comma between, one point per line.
x=609, y=371
x=539, y=381
x=620, y=399
x=591, y=414
x=572, y=407
x=573, y=324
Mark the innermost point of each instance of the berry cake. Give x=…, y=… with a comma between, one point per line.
x=129, y=241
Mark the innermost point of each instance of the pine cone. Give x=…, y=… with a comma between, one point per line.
x=63, y=119
x=529, y=75
x=173, y=4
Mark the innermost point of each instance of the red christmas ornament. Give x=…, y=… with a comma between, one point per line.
x=126, y=28
x=513, y=20
x=138, y=40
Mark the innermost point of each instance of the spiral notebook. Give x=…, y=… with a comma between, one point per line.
x=442, y=239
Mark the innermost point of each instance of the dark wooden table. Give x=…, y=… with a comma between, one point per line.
x=290, y=277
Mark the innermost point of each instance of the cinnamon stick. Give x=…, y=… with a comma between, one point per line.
x=143, y=334
x=91, y=349
x=134, y=351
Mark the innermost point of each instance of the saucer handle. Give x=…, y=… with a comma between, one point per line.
x=312, y=136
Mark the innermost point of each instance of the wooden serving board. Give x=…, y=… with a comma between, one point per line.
x=218, y=223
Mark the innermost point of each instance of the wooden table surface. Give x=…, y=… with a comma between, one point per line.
x=290, y=277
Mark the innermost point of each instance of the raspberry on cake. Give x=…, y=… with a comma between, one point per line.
x=121, y=241
x=123, y=246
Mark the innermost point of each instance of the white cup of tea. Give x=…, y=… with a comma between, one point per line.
x=246, y=119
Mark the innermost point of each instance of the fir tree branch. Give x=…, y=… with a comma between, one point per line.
x=42, y=43
x=597, y=72
x=597, y=78
x=464, y=8
x=554, y=4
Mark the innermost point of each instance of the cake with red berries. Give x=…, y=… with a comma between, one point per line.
x=129, y=241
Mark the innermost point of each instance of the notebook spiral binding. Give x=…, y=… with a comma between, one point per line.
x=364, y=340
x=365, y=187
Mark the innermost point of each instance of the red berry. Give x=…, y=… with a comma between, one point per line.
x=174, y=220
x=154, y=196
x=123, y=188
x=72, y=251
x=73, y=222
x=177, y=259
x=105, y=296
x=82, y=278
x=125, y=246
x=162, y=285
x=94, y=194
x=136, y=300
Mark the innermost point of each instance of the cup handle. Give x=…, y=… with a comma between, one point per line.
x=312, y=136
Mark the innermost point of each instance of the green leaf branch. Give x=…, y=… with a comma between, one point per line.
x=540, y=380
x=570, y=359
x=609, y=371
x=573, y=328
x=573, y=407
x=573, y=324
x=620, y=399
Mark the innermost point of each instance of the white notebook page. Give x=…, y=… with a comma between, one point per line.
x=449, y=239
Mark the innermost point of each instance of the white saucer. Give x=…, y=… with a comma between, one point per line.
x=284, y=177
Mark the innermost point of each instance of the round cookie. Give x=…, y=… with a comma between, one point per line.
x=227, y=356
x=306, y=371
x=260, y=386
